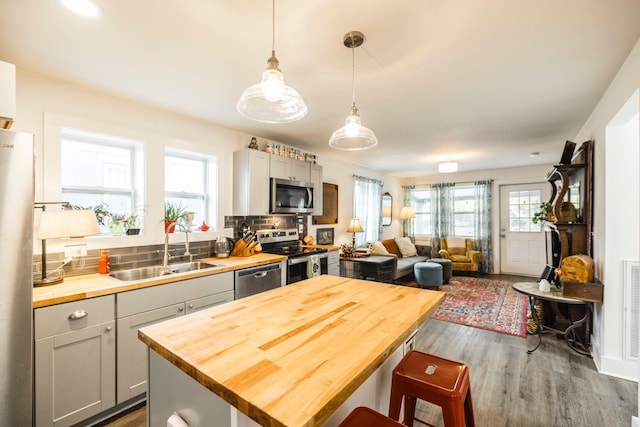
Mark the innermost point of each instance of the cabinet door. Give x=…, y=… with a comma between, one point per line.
x=132, y=354
x=279, y=167
x=316, y=178
x=75, y=375
x=299, y=170
x=209, y=301
x=250, y=182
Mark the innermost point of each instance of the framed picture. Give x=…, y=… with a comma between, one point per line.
x=324, y=236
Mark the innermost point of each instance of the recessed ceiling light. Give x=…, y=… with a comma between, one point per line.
x=82, y=7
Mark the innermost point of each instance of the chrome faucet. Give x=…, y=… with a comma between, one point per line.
x=165, y=258
x=186, y=244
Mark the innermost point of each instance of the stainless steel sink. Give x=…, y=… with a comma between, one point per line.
x=191, y=266
x=158, y=271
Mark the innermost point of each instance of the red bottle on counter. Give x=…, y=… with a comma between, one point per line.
x=104, y=266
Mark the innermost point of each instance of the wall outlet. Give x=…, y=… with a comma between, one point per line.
x=72, y=251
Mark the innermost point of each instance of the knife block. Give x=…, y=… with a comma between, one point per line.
x=241, y=249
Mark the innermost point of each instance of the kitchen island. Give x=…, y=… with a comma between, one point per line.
x=287, y=357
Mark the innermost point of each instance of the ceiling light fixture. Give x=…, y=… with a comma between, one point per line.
x=271, y=101
x=82, y=7
x=353, y=136
x=448, y=167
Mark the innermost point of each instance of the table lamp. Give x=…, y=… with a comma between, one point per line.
x=407, y=212
x=354, y=227
x=62, y=223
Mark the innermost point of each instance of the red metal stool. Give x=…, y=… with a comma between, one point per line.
x=431, y=378
x=365, y=417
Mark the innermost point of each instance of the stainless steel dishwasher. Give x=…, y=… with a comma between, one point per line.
x=254, y=280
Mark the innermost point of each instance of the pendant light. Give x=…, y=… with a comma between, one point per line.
x=271, y=101
x=353, y=136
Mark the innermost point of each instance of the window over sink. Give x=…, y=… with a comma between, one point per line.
x=100, y=169
x=190, y=179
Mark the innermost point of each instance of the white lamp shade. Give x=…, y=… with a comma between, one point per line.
x=407, y=212
x=355, y=226
x=353, y=136
x=67, y=223
x=447, y=167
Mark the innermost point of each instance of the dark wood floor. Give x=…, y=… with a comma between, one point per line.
x=551, y=387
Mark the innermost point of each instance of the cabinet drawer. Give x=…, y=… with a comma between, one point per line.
x=71, y=316
x=140, y=300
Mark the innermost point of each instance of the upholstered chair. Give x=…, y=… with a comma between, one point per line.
x=460, y=251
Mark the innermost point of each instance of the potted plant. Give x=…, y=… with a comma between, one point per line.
x=544, y=214
x=173, y=212
x=132, y=223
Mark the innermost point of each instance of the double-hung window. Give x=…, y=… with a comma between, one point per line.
x=100, y=169
x=423, y=225
x=190, y=181
x=464, y=210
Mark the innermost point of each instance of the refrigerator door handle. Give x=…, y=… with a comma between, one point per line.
x=78, y=314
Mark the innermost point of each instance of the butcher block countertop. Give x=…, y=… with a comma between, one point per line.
x=290, y=356
x=95, y=285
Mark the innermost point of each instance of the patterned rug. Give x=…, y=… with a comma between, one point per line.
x=484, y=303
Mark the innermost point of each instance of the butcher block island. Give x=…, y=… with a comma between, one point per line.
x=291, y=356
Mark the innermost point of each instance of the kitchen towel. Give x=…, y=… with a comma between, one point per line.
x=313, y=266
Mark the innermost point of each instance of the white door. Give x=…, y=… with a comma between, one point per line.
x=522, y=243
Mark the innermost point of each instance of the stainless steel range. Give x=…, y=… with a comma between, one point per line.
x=286, y=242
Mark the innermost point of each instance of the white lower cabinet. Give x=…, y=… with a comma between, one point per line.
x=147, y=306
x=75, y=367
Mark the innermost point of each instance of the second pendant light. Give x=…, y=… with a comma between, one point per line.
x=353, y=136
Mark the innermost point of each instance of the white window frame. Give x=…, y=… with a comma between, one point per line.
x=210, y=185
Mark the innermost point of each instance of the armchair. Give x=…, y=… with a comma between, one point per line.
x=460, y=251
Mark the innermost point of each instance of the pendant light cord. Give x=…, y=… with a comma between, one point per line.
x=273, y=25
x=353, y=73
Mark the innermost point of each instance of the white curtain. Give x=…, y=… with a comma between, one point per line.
x=367, y=207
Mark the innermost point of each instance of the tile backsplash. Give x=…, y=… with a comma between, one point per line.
x=143, y=256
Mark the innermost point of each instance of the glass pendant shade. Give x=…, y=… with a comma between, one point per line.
x=353, y=136
x=271, y=100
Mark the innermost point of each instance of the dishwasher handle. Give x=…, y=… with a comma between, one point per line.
x=260, y=274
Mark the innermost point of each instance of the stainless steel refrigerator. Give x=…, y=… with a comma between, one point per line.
x=16, y=253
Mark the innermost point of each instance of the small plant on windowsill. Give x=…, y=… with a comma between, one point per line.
x=173, y=213
x=544, y=214
x=132, y=223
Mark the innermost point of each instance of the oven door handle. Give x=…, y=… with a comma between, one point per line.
x=298, y=260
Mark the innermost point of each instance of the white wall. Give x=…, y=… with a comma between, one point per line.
x=614, y=189
x=43, y=103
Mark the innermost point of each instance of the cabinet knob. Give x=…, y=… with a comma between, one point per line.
x=108, y=328
x=181, y=309
x=190, y=305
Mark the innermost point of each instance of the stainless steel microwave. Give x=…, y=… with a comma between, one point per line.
x=291, y=197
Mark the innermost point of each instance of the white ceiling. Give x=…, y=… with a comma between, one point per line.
x=485, y=82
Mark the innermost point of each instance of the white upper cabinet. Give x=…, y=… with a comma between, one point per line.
x=250, y=182
x=287, y=168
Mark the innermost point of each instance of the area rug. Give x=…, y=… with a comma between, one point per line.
x=484, y=303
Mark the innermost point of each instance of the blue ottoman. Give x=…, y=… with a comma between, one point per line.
x=428, y=274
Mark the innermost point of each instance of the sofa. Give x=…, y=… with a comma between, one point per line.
x=404, y=252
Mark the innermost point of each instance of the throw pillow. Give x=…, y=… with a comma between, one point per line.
x=407, y=248
x=378, y=248
x=391, y=247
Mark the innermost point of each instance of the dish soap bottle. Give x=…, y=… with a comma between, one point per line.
x=104, y=265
